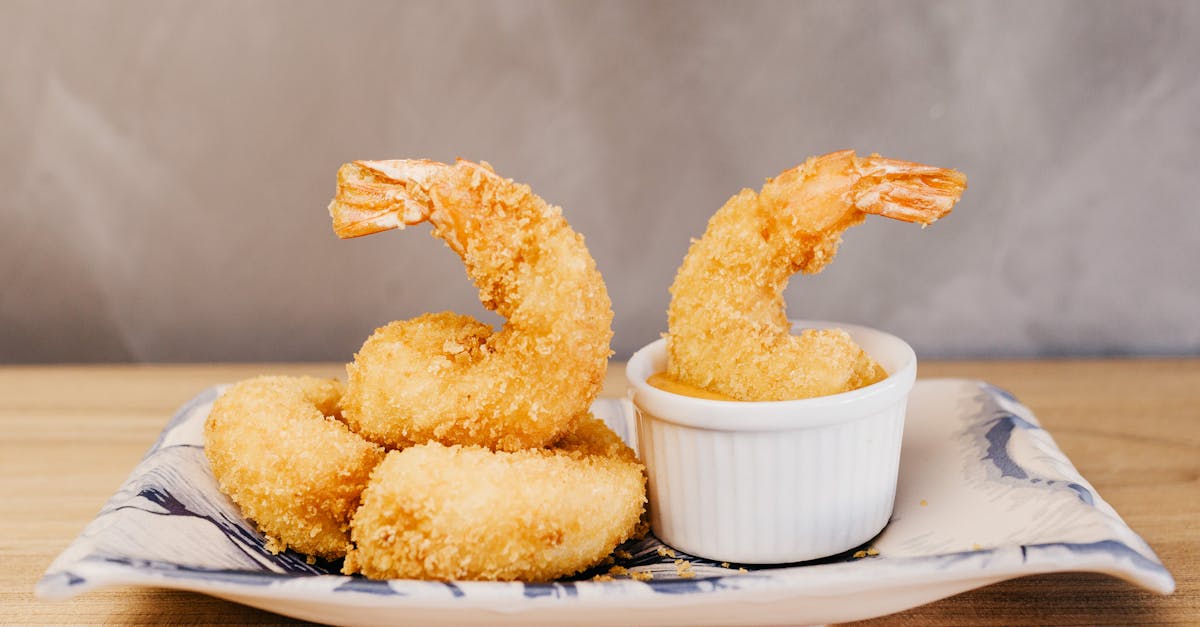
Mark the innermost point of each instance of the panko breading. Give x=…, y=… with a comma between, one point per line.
x=449, y=378
x=590, y=436
x=279, y=452
x=468, y=513
x=727, y=329
x=476, y=495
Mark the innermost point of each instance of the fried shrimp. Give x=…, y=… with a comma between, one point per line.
x=449, y=378
x=727, y=328
x=468, y=513
x=278, y=451
x=591, y=437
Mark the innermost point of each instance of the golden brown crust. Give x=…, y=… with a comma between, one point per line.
x=589, y=436
x=453, y=513
x=279, y=452
x=279, y=449
x=728, y=331
x=468, y=513
x=462, y=383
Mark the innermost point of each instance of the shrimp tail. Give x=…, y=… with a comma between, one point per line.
x=903, y=190
x=375, y=196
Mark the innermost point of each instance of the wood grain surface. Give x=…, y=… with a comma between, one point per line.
x=69, y=436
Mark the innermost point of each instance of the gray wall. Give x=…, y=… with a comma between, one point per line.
x=165, y=166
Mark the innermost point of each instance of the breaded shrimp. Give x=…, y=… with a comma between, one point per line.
x=449, y=378
x=465, y=512
x=727, y=328
x=589, y=436
x=278, y=451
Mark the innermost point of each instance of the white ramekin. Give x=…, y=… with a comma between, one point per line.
x=779, y=481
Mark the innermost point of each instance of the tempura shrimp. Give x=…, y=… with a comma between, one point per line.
x=279, y=452
x=727, y=328
x=449, y=378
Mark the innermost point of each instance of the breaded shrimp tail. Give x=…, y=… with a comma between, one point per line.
x=449, y=378
x=728, y=331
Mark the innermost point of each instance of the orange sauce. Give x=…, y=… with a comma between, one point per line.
x=665, y=382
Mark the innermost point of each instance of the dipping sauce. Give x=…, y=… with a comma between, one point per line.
x=663, y=381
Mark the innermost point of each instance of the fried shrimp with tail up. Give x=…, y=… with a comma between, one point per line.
x=727, y=328
x=446, y=377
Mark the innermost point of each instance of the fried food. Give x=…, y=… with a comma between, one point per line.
x=451, y=379
x=727, y=328
x=503, y=473
x=589, y=436
x=466, y=512
x=279, y=452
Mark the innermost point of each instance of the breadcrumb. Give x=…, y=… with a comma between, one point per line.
x=867, y=552
x=274, y=546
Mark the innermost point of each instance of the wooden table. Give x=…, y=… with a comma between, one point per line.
x=69, y=435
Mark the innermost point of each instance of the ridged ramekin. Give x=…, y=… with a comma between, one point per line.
x=778, y=481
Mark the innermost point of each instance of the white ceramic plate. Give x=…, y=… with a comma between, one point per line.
x=984, y=495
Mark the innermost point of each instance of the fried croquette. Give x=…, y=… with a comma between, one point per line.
x=279, y=452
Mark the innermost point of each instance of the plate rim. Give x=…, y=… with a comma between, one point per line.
x=1111, y=557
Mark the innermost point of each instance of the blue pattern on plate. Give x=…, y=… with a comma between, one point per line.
x=169, y=523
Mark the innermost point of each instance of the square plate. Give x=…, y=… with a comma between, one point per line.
x=984, y=495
